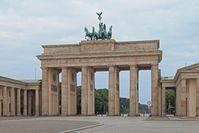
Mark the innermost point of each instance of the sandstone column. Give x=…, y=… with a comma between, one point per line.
x=91, y=91
x=5, y=101
x=163, y=102
x=114, y=103
x=154, y=89
x=25, y=103
x=45, y=87
x=134, y=106
x=64, y=98
x=53, y=88
x=30, y=103
x=72, y=93
x=18, y=102
x=69, y=96
x=12, y=101
x=84, y=95
x=37, y=102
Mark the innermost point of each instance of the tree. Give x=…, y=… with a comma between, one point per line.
x=170, y=100
x=101, y=102
x=78, y=99
x=124, y=105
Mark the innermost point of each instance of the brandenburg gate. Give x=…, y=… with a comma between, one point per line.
x=56, y=93
x=62, y=62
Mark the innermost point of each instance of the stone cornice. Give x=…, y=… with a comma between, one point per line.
x=94, y=55
x=18, y=82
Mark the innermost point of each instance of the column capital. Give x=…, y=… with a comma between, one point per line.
x=84, y=67
x=154, y=65
x=64, y=67
x=133, y=66
x=112, y=65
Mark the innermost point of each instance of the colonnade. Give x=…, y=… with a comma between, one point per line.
x=68, y=96
x=16, y=101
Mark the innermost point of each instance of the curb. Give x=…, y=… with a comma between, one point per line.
x=81, y=128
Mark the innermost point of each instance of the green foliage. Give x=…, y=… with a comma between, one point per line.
x=143, y=108
x=101, y=102
x=170, y=99
x=78, y=99
x=124, y=105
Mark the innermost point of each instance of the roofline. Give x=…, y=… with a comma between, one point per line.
x=18, y=81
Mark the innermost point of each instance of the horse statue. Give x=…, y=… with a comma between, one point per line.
x=110, y=33
x=88, y=34
x=102, y=32
x=94, y=34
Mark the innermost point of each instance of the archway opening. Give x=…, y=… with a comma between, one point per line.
x=170, y=95
x=144, y=87
x=124, y=83
x=79, y=92
x=101, y=92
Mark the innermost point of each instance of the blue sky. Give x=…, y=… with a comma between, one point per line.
x=27, y=24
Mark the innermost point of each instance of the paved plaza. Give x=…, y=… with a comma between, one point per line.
x=97, y=125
